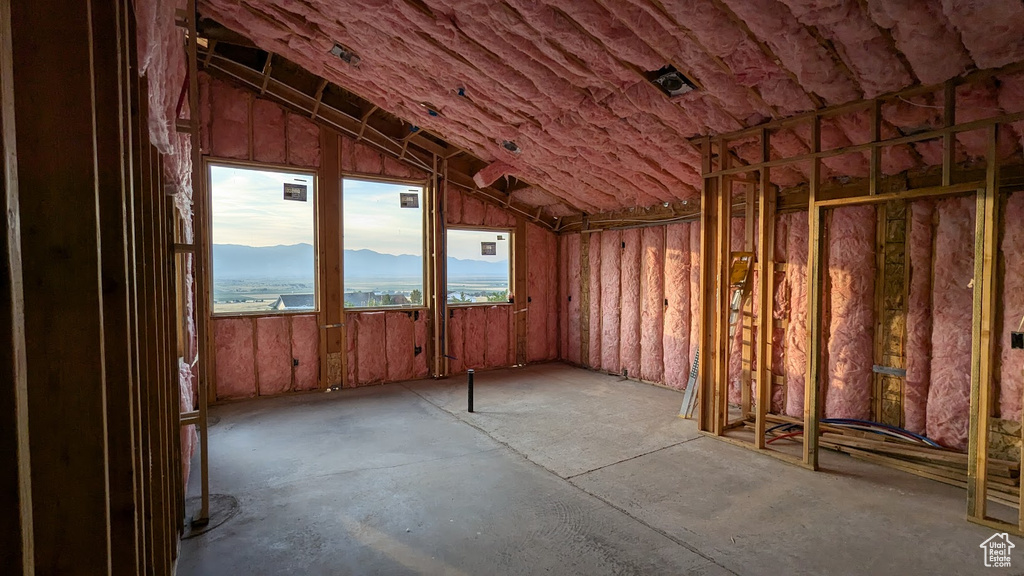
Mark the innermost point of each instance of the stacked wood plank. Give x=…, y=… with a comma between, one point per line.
x=946, y=466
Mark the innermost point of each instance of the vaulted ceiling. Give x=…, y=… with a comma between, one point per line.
x=558, y=95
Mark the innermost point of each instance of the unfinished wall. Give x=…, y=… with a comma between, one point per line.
x=257, y=355
x=919, y=316
x=642, y=287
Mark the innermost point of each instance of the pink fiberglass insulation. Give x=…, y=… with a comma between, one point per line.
x=229, y=120
x=473, y=210
x=781, y=312
x=851, y=271
x=453, y=206
x=948, y=406
x=496, y=320
x=204, y=112
x=676, y=336
x=652, y=315
x=401, y=342
x=188, y=435
x=398, y=169
x=1012, y=256
x=924, y=35
x=868, y=53
x=371, y=348
x=303, y=142
x=268, y=133
x=236, y=367
x=694, y=230
x=573, y=324
x=161, y=58
x=563, y=297
x=351, y=350
x=737, y=227
x=975, y=102
x=542, y=317
x=360, y=158
x=497, y=217
x=594, y=256
x=990, y=30
x=475, y=346
x=420, y=368
x=796, y=331
x=273, y=355
x=919, y=317
x=796, y=48
x=455, y=349
x=491, y=173
x=306, y=349
x=1011, y=99
x=629, y=323
x=611, y=290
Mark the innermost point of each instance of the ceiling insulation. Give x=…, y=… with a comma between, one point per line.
x=565, y=80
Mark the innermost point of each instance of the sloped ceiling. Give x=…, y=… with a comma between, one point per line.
x=564, y=80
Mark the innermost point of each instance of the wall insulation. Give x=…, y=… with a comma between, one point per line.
x=919, y=316
x=256, y=355
x=542, y=303
x=611, y=289
x=572, y=267
x=1011, y=264
x=676, y=335
x=952, y=302
x=652, y=309
x=594, y=285
x=796, y=330
x=851, y=301
x=629, y=314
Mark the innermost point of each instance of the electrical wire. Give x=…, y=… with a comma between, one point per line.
x=790, y=435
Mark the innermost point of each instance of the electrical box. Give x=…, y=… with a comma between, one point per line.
x=1016, y=340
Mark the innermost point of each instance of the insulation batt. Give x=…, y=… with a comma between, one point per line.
x=420, y=361
x=652, y=358
x=1012, y=256
x=924, y=34
x=273, y=355
x=851, y=271
x=594, y=255
x=563, y=297
x=268, y=132
x=456, y=338
x=497, y=326
x=611, y=290
x=781, y=311
x=400, y=335
x=629, y=329
x=796, y=331
x=572, y=264
x=303, y=142
x=677, y=313
x=948, y=406
x=229, y=120
x=352, y=371
x=989, y=29
x=919, y=317
x=306, y=349
x=475, y=346
x=694, y=229
x=540, y=245
x=737, y=227
x=370, y=348
x=236, y=372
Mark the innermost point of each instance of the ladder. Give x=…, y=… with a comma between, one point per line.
x=739, y=282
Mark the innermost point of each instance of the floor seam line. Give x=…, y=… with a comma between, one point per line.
x=679, y=542
x=633, y=457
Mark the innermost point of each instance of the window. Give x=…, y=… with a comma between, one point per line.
x=264, y=240
x=383, y=242
x=478, y=266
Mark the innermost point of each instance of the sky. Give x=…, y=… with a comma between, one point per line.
x=249, y=207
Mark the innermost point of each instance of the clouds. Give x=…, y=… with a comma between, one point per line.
x=375, y=220
x=249, y=208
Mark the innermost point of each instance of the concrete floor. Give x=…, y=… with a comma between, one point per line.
x=560, y=471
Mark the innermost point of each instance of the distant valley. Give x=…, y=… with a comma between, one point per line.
x=236, y=262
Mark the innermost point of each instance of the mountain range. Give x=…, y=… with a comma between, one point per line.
x=236, y=262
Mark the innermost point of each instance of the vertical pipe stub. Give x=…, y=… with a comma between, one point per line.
x=469, y=387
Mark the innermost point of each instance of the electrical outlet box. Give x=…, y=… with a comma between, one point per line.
x=1016, y=340
x=295, y=361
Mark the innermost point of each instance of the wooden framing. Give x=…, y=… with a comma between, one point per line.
x=715, y=249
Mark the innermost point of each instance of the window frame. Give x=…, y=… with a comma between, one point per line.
x=209, y=163
x=511, y=260
x=424, y=221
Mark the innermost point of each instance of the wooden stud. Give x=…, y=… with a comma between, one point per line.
x=766, y=294
x=708, y=316
x=948, y=139
x=815, y=275
x=747, y=321
x=521, y=259
x=982, y=341
x=318, y=97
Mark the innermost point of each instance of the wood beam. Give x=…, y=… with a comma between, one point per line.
x=815, y=288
